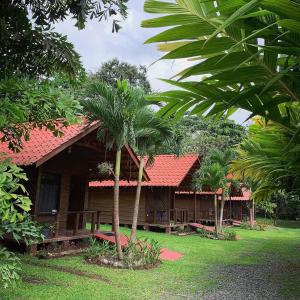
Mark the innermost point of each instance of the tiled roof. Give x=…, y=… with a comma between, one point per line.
x=43, y=143
x=167, y=170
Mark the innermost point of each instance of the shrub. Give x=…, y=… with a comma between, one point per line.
x=42, y=254
x=99, y=249
x=141, y=253
x=10, y=265
x=229, y=235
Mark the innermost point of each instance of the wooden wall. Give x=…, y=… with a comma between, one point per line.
x=205, y=207
x=102, y=199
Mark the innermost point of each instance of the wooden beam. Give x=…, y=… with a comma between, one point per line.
x=37, y=192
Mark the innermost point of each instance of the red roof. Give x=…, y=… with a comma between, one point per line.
x=167, y=170
x=43, y=143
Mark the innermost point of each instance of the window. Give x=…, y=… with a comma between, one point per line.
x=49, y=193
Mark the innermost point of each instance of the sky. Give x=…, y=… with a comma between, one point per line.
x=97, y=44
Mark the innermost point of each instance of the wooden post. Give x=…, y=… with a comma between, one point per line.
x=75, y=230
x=175, y=215
x=37, y=192
x=57, y=225
x=195, y=207
x=241, y=210
x=98, y=220
x=93, y=223
x=154, y=217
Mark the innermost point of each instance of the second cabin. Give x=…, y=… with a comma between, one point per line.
x=167, y=200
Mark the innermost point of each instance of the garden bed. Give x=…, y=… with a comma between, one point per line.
x=140, y=255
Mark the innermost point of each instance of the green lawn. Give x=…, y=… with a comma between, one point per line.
x=195, y=273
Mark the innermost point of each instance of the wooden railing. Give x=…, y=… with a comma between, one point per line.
x=167, y=216
x=92, y=215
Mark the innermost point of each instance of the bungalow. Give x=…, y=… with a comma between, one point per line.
x=167, y=199
x=59, y=170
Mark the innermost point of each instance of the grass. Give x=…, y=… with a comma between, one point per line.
x=194, y=273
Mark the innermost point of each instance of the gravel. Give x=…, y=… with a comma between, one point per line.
x=247, y=283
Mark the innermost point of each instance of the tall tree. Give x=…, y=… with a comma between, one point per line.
x=246, y=52
x=210, y=175
x=200, y=135
x=30, y=46
x=117, y=109
x=223, y=159
x=150, y=134
x=113, y=70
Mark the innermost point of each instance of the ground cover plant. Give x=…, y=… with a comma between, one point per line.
x=141, y=254
x=261, y=263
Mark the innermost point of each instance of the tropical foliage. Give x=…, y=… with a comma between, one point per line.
x=14, y=205
x=246, y=54
x=116, y=110
x=210, y=176
x=270, y=156
x=151, y=133
x=113, y=70
x=193, y=134
x=28, y=103
x=30, y=46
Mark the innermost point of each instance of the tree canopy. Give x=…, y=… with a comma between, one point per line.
x=113, y=70
x=199, y=135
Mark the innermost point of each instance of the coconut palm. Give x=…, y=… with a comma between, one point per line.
x=150, y=134
x=117, y=109
x=210, y=175
x=224, y=158
x=246, y=54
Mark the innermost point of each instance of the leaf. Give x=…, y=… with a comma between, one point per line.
x=215, y=45
x=183, y=32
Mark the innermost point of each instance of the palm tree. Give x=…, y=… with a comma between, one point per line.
x=150, y=134
x=223, y=158
x=116, y=108
x=246, y=52
x=269, y=157
x=213, y=176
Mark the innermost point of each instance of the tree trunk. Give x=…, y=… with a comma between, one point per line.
x=222, y=210
x=216, y=214
x=137, y=201
x=116, y=204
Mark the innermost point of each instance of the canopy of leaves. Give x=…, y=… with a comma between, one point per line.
x=112, y=71
x=245, y=52
x=116, y=107
x=199, y=135
x=28, y=103
x=29, y=46
x=270, y=156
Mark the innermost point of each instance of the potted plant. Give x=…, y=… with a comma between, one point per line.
x=48, y=230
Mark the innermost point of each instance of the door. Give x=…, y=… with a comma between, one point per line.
x=76, y=200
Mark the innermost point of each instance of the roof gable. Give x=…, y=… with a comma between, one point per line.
x=43, y=145
x=167, y=170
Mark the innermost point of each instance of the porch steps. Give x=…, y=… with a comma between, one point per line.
x=201, y=226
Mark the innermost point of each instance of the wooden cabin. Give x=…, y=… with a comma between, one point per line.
x=59, y=170
x=167, y=200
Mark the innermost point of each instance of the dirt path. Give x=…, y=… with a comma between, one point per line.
x=70, y=271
